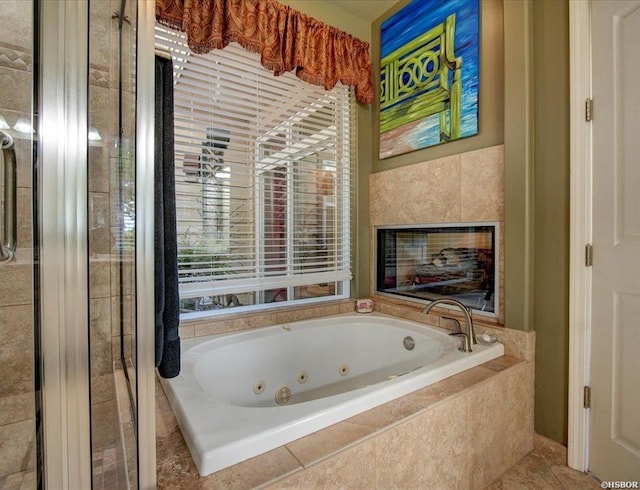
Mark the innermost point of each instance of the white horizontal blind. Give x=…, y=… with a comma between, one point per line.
x=263, y=184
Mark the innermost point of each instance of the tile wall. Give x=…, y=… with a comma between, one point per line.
x=463, y=188
x=17, y=424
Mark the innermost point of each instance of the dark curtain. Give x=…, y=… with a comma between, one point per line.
x=167, y=301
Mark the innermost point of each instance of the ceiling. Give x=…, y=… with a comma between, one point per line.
x=368, y=10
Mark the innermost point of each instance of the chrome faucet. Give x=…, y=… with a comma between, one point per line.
x=470, y=334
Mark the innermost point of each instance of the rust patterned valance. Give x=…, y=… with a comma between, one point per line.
x=285, y=38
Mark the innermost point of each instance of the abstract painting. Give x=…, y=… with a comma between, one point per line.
x=429, y=75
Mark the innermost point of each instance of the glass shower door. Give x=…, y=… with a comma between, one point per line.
x=19, y=448
x=111, y=232
x=34, y=243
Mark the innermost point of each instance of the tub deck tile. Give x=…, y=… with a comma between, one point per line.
x=328, y=441
x=354, y=470
x=501, y=363
x=254, y=472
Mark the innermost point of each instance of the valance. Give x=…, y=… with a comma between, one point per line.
x=285, y=39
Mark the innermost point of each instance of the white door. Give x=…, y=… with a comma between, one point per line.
x=614, y=440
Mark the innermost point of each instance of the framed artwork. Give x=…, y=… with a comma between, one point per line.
x=429, y=72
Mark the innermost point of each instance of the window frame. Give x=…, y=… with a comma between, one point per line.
x=345, y=164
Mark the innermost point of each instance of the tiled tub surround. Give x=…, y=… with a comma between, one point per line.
x=350, y=363
x=463, y=188
x=462, y=432
x=454, y=431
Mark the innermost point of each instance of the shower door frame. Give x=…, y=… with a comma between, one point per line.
x=62, y=184
x=145, y=306
x=63, y=257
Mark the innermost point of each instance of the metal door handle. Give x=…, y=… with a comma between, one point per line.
x=8, y=221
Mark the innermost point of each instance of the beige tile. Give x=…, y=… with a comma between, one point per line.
x=100, y=336
x=16, y=326
x=16, y=57
x=389, y=413
x=187, y=330
x=427, y=192
x=99, y=277
x=401, y=408
x=99, y=230
x=128, y=312
x=15, y=94
x=328, y=441
x=482, y=184
x=16, y=281
x=501, y=363
x=230, y=325
x=554, y=453
x=102, y=387
x=453, y=385
x=347, y=307
x=298, y=314
x=100, y=117
x=531, y=472
x=15, y=443
x=428, y=451
x=127, y=341
x=413, y=313
x=571, y=479
x=353, y=468
x=501, y=421
x=100, y=27
x=253, y=472
x=128, y=275
x=104, y=424
x=518, y=417
x=519, y=344
x=18, y=407
x=99, y=168
x=24, y=157
x=24, y=222
x=487, y=431
x=17, y=26
x=16, y=366
x=177, y=474
x=24, y=480
x=170, y=443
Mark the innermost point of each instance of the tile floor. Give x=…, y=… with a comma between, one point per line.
x=544, y=468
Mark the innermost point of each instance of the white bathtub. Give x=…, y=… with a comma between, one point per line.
x=335, y=367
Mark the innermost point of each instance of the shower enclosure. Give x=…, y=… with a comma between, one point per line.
x=70, y=247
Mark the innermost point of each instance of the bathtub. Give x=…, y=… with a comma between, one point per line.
x=243, y=394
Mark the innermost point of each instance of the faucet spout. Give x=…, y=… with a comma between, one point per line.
x=467, y=315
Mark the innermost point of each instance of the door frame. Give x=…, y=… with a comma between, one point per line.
x=580, y=232
x=63, y=256
x=145, y=307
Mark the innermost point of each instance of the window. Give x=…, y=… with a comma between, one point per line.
x=263, y=182
x=429, y=262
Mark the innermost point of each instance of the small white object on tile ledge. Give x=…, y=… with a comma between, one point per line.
x=487, y=338
x=364, y=305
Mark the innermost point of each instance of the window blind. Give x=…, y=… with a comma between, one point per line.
x=263, y=181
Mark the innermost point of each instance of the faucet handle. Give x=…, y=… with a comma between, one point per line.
x=465, y=345
x=456, y=324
